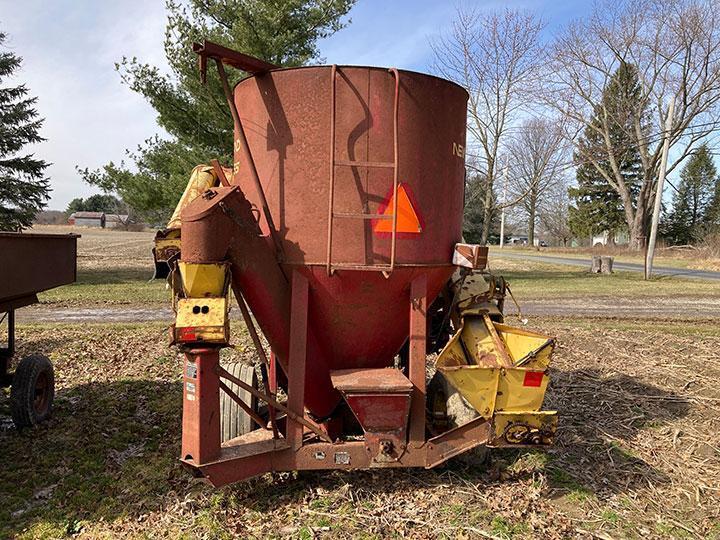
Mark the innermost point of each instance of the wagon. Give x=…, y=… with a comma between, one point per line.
x=31, y=263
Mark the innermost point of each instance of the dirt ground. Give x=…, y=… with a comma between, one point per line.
x=637, y=454
x=107, y=249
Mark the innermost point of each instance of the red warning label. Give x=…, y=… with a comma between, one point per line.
x=533, y=378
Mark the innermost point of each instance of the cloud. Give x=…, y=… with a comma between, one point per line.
x=70, y=47
x=69, y=50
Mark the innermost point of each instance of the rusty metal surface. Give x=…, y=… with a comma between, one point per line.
x=208, y=49
x=252, y=455
x=35, y=262
x=286, y=115
x=391, y=128
x=222, y=228
x=297, y=373
x=418, y=350
x=201, y=406
x=458, y=440
x=370, y=380
x=471, y=256
x=384, y=419
x=380, y=411
x=293, y=416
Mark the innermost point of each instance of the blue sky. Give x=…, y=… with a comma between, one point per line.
x=70, y=47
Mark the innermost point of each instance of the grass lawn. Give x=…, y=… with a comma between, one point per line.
x=109, y=286
x=114, y=268
x=636, y=456
x=663, y=257
x=532, y=279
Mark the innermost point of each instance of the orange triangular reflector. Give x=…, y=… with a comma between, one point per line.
x=407, y=220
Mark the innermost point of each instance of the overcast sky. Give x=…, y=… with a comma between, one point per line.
x=70, y=47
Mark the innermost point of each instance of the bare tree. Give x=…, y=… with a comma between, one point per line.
x=537, y=158
x=675, y=46
x=495, y=57
x=554, y=212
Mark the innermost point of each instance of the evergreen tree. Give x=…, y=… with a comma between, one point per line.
x=598, y=206
x=23, y=187
x=711, y=219
x=96, y=203
x=692, y=208
x=283, y=32
x=474, y=214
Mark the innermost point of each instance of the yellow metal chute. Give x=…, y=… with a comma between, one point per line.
x=501, y=372
x=167, y=241
x=203, y=177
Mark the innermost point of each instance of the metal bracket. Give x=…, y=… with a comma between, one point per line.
x=245, y=62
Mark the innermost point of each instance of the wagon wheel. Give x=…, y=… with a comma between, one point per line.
x=234, y=421
x=32, y=391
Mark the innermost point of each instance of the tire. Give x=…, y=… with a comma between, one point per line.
x=32, y=392
x=234, y=421
x=457, y=413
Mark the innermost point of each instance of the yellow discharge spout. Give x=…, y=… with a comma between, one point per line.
x=203, y=177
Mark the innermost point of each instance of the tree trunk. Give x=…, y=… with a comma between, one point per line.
x=487, y=213
x=531, y=221
x=639, y=221
x=638, y=230
x=606, y=264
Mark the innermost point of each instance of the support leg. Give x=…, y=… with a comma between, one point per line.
x=6, y=353
x=272, y=373
x=297, y=356
x=418, y=348
x=201, y=406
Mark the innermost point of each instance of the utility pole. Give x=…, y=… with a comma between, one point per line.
x=658, y=195
x=504, y=201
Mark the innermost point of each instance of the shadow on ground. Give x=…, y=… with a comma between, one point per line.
x=596, y=415
x=110, y=451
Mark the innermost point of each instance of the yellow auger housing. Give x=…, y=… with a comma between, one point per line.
x=502, y=372
x=202, y=312
x=167, y=241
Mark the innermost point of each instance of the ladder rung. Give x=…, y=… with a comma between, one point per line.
x=361, y=216
x=379, y=268
x=386, y=164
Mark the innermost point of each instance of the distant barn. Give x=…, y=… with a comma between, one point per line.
x=87, y=219
x=116, y=221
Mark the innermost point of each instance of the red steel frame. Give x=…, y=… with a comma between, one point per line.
x=258, y=453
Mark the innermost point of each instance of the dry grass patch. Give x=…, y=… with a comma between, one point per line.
x=637, y=454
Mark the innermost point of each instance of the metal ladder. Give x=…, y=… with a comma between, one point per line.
x=332, y=214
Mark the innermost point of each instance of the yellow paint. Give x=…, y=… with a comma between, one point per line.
x=207, y=317
x=471, y=362
x=526, y=348
x=479, y=342
x=202, y=178
x=458, y=150
x=514, y=396
x=476, y=384
x=162, y=244
x=204, y=280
